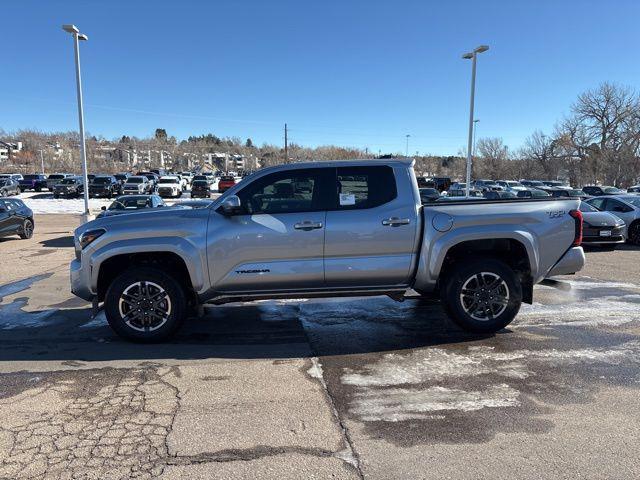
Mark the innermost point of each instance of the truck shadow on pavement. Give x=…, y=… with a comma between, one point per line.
x=66, y=332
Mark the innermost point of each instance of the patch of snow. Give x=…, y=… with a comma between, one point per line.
x=315, y=371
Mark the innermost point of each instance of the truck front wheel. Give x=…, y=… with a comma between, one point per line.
x=483, y=296
x=145, y=305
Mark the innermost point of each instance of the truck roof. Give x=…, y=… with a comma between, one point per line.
x=401, y=162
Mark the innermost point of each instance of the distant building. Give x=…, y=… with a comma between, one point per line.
x=9, y=148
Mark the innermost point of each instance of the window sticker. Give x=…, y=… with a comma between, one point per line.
x=347, y=199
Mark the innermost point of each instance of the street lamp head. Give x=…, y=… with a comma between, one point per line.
x=70, y=28
x=481, y=48
x=467, y=56
x=82, y=36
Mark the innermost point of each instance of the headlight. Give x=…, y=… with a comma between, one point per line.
x=89, y=236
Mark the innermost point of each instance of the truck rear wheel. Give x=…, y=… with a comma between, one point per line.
x=145, y=305
x=483, y=296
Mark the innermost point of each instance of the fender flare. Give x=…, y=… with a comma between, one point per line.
x=196, y=264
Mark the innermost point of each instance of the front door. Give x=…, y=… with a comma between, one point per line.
x=276, y=242
x=371, y=228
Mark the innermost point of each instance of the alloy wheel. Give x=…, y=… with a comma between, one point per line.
x=484, y=296
x=144, y=306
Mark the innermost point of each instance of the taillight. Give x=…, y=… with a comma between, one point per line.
x=577, y=216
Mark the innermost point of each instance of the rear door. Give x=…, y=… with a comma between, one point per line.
x=276, y=241
x=371, y=228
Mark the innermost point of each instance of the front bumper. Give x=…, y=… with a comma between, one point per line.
x=571, y=262
x=80, y=280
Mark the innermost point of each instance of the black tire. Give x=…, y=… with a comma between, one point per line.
x=634, y=233
x=458, y=305
x=26, y=230
x=176, y=307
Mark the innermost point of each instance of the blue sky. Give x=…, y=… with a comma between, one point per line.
x=353, y=73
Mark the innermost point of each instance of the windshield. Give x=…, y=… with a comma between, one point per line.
x=135, y=180
x=611, y=190
x=121, y=177
x=130, y=203
x=514, y=184
x=169, y=180
x=539, y=193
x=101, y=180
x=227, y=179
x=68, y=181
x=31, y=177
x=55, y=177
x=586, y=208
x=577, y=193
x=200, y=183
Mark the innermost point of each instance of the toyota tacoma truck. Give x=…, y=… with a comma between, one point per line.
x=357, y=228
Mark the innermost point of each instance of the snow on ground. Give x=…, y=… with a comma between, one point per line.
x=44, y=203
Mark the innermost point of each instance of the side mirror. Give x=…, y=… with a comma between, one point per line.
x=231, y=205
x=103, y=208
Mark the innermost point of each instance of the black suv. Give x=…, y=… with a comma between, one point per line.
x=69, y=187
x=104, y=186
x=15, y=218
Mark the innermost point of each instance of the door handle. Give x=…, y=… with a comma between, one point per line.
x=307, y=225
x=395, y=222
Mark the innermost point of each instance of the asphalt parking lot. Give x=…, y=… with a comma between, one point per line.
x=345, y=388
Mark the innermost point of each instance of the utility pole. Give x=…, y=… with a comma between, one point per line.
x=406, y=153
x=286, y=144
x=42, y=161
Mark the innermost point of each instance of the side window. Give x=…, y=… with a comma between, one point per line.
x=364, y=187
x=284, y=192
x=616, y=206
x=598, y=203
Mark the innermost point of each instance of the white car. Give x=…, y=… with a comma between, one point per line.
x=187, y=177
x=170, y=186
x=13, y=176
x=511, y=185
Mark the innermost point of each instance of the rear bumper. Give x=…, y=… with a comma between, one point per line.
x=603, y=240
x=571, y=262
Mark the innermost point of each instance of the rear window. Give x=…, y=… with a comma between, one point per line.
x=227, y=178
x=364, y=187
x=32, y=177
x=102, y=180
x=55, y=176
x=200, y=183
x=68, y=181
x=169, y=180
x=135, y=180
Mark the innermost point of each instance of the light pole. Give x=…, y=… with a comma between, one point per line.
x=475, y=132
x=407, y=147
x=77, y=36
x=472, y=56
x=41, y=161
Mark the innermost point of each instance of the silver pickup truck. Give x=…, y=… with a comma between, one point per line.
x=326, y=229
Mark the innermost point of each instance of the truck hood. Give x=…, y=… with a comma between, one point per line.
x=142, y=220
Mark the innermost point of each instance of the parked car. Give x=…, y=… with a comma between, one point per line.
x=442, y=184
x=55, y=178
x=458, y=189
x=169, y=186
x=33, y=182
x=424, y=182
x=225, y=183
x=69, y=187
x=104, y=186
x=627, y=207
x=200, y=188
x=497, y=195
x=131, y=203
x=567, y=192
x=429, y=194
x=9, y=186
x=602, y=229
x=201, y=177
x=122, y=179
x=153, y=179
x=14, y=176
x=188, y=177
x=511, y=185
x=634, y=189
x=597, y=190
x=532, y=193
x=485, y=185
x=366, y=237
x=555, y=183
x=137, y=185
x=532, y=183
x=15, y=218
